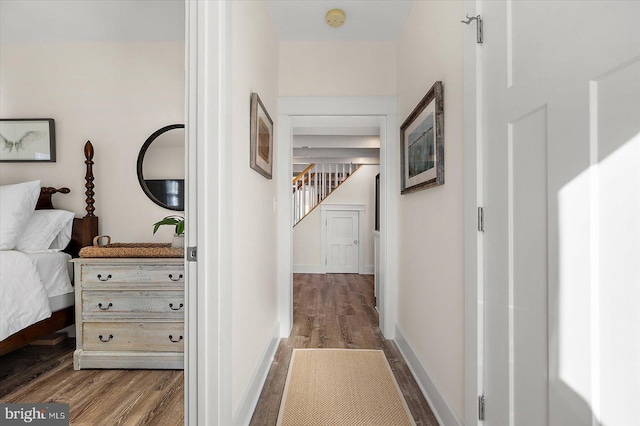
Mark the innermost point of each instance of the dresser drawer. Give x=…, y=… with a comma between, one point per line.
x=137, y=336
x=110, y=305
x=116, y=275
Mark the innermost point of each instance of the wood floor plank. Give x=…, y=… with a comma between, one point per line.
x=330, y=311
x=97, y=397
x=336, y=311
x=28, y=363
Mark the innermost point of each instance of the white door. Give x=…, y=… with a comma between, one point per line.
x=560, y=120
x=342, y=242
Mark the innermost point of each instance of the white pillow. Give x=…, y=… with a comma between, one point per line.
x=43, y=228
x=63, y=238
x=17, y=203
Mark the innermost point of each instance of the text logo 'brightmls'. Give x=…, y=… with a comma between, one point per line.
x=34, y=414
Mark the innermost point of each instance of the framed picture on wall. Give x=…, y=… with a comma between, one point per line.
x=422, y=143
x=261, y=138
x=27, y=140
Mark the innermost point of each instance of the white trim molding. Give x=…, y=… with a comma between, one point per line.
x=308, y=269
x=250, y=399
x=473, y=243
x=441, y=407
x=207, y=125
x=318, y=269
x=349, y=112
x=324, y=208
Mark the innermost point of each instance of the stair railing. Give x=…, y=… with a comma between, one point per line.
x=315, y=183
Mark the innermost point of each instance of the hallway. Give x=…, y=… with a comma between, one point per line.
x=335, y=311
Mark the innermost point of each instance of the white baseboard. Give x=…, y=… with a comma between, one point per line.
x=318, y=269
x=308, y=269
x=250, y=399
x=444, y=412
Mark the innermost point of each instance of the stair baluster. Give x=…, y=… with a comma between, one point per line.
x=314, y=184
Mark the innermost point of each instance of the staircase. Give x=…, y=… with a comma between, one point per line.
x=315, y=183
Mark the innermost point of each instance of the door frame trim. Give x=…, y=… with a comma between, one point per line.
x=208, y=382
x=473, y=239
x=385, y=112
x=324, y=208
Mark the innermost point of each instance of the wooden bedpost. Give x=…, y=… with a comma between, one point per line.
x=90, y=221
x=88, y=155
x=85, y=228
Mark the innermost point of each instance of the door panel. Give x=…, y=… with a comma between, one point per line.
x=560, y=120
x=527, y=144
x=616, y=96
x=342, y=242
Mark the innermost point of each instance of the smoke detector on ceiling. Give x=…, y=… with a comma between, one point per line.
x=335, y=18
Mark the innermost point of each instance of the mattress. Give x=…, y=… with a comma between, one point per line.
x=61, y=301
x=56, y=272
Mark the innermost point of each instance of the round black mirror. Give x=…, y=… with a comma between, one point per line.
x=161, y=167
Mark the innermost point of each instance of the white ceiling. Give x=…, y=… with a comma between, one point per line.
x=334, y=149
x=69, y=21
x=303, y=20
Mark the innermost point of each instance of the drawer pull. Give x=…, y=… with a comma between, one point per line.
x=106, y=279
x=105, y=341
x=175, y=309
x=174, y=341
x=105, y=309
x=177, y=279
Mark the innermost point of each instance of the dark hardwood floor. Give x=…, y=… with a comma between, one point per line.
x=95, y=397
x=336, y=311
x=330, y=311
x=26, y=364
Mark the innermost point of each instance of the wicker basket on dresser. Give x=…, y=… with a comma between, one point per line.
x=129, y=313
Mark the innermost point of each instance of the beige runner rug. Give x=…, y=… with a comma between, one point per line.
x=342, y=387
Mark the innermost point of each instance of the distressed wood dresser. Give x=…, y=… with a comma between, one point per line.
x=129, y=313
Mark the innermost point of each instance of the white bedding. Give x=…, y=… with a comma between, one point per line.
x=62, y=301
x=54, y=270
x=23, y=299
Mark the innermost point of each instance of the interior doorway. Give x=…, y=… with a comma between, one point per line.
x=346, y=113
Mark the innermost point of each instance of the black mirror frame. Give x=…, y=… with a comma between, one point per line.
x=143, y=151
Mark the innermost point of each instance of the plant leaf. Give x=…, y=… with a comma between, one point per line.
x=169, y=220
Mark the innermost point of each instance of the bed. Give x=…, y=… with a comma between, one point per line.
x=37, y=293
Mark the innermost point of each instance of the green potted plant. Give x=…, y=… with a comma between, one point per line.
x=178, y=222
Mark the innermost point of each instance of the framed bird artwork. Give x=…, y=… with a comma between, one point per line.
x=27, y=140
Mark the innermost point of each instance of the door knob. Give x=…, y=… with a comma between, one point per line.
x=355, y=241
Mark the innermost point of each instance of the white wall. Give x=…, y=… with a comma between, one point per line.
x=254, y=61
x=430, y=230
x=338, y=68
x=358, y=189
x=113, y=93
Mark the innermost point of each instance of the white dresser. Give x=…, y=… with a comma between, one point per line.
x=129, y=313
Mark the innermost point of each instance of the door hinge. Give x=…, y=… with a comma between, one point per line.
x=479, y=29
x=192, y=254
x=481, y=408
x=481, y=219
